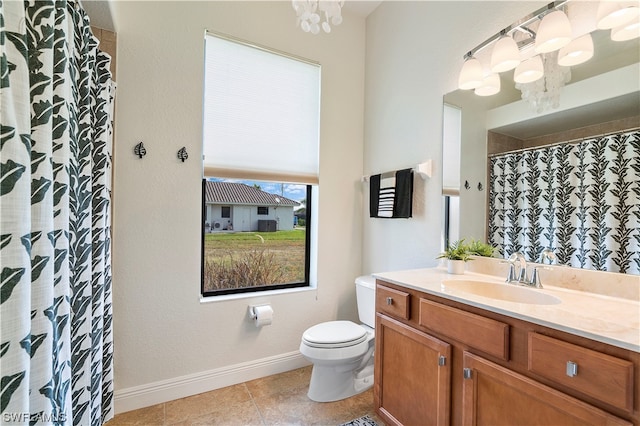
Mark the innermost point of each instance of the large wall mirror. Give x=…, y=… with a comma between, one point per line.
x=537, y=171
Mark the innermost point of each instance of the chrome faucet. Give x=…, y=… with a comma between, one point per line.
x=522, y=279
x=522, y=272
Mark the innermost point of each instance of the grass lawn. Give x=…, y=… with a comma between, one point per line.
x=248, y=259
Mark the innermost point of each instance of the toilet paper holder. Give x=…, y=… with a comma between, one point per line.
x=261, y=314
x=252, y=311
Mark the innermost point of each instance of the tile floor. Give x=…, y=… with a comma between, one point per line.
x=280, y=399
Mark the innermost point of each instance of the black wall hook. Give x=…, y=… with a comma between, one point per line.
x=480, y=188
x=466, y=184
x=140, y=150
x=182, y=154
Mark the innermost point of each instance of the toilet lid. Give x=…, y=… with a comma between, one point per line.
x=334, y=334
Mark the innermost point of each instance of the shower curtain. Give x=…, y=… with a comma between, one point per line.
x=56, y=98
x=582, y=200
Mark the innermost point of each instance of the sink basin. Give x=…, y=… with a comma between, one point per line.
x=506, y=292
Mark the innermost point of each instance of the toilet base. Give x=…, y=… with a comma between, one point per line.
x=329, y=383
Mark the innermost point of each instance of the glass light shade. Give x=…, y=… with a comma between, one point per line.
x=578, y=51
x=612, y=14
x=626, y=31
x=490, y=85
x=505, y=55
x=471, y=75
x=554, y=32
x=530, y=70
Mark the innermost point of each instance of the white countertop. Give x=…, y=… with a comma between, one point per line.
x=606, y=319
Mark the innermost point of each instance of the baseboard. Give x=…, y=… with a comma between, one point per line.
x=179, y=387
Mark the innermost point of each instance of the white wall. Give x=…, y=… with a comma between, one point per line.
x=414, y=53
x=162, y=331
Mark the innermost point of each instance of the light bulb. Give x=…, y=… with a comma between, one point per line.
x=490, y=85
x=613, y=14
x=578, y=51
x=471, y=75
x=626, y=31
x=505, y=55
x=554, y=32
x=529, y=70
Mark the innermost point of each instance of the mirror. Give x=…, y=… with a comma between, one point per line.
x=506, y=116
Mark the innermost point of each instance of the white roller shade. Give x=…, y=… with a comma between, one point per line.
x=261, y=114
x=451, y=135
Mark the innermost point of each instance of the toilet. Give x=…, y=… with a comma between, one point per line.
x=342, y=351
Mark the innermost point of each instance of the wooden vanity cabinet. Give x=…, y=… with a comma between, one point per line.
x=494, y=395
x=497, y=370
x=412, y=375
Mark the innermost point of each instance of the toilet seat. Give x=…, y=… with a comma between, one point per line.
x=334, y=334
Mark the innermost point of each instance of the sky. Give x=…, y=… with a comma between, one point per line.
x=292, y=191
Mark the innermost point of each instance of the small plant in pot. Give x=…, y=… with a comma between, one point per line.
x=456, y=254
x=478, y=248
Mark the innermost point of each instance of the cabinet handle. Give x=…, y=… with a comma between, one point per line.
x=389, y=300
x=466, y=373
x=442, y=360
x=572, y=369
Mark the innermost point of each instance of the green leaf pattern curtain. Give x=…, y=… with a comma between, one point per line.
x=56, y=97
x=581, y=199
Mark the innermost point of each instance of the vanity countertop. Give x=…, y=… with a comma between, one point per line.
x=602, y=318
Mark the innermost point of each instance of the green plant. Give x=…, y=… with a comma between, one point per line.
x=457, y=250
x=479, y=248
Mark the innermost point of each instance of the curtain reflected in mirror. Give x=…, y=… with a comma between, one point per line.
x=581, y=199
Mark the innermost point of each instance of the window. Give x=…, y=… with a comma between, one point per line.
x=452, y=136
x=260, y=144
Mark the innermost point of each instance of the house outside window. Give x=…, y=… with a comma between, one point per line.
x=260, y=168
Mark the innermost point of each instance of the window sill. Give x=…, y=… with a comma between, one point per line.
x=226, y=297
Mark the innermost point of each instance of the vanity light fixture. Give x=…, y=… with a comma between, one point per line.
x=543, y=46
x=310, y=13
x=507, y=49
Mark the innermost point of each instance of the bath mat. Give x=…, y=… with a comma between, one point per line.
x=361, y=421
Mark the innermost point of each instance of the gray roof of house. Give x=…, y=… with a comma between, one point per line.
x=239, y=193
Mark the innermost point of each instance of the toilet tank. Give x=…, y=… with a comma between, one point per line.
x=366, y=299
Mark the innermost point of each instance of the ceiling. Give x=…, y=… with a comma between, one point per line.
x=608, y=56
x=100, y=10
x=361, y=7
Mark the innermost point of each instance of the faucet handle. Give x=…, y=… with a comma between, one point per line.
x=523, y=276
x=535, y=278
x=511, y=276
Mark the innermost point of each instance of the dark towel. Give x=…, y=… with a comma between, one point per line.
x=402, y=207
x=401, y=194
x=374, y=195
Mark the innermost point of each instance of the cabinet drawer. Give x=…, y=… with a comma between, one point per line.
x=484, y=334
x=392, y=302
x=593, y=373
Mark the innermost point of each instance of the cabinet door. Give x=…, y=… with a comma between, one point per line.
x=412, y=375
x=493, y=395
